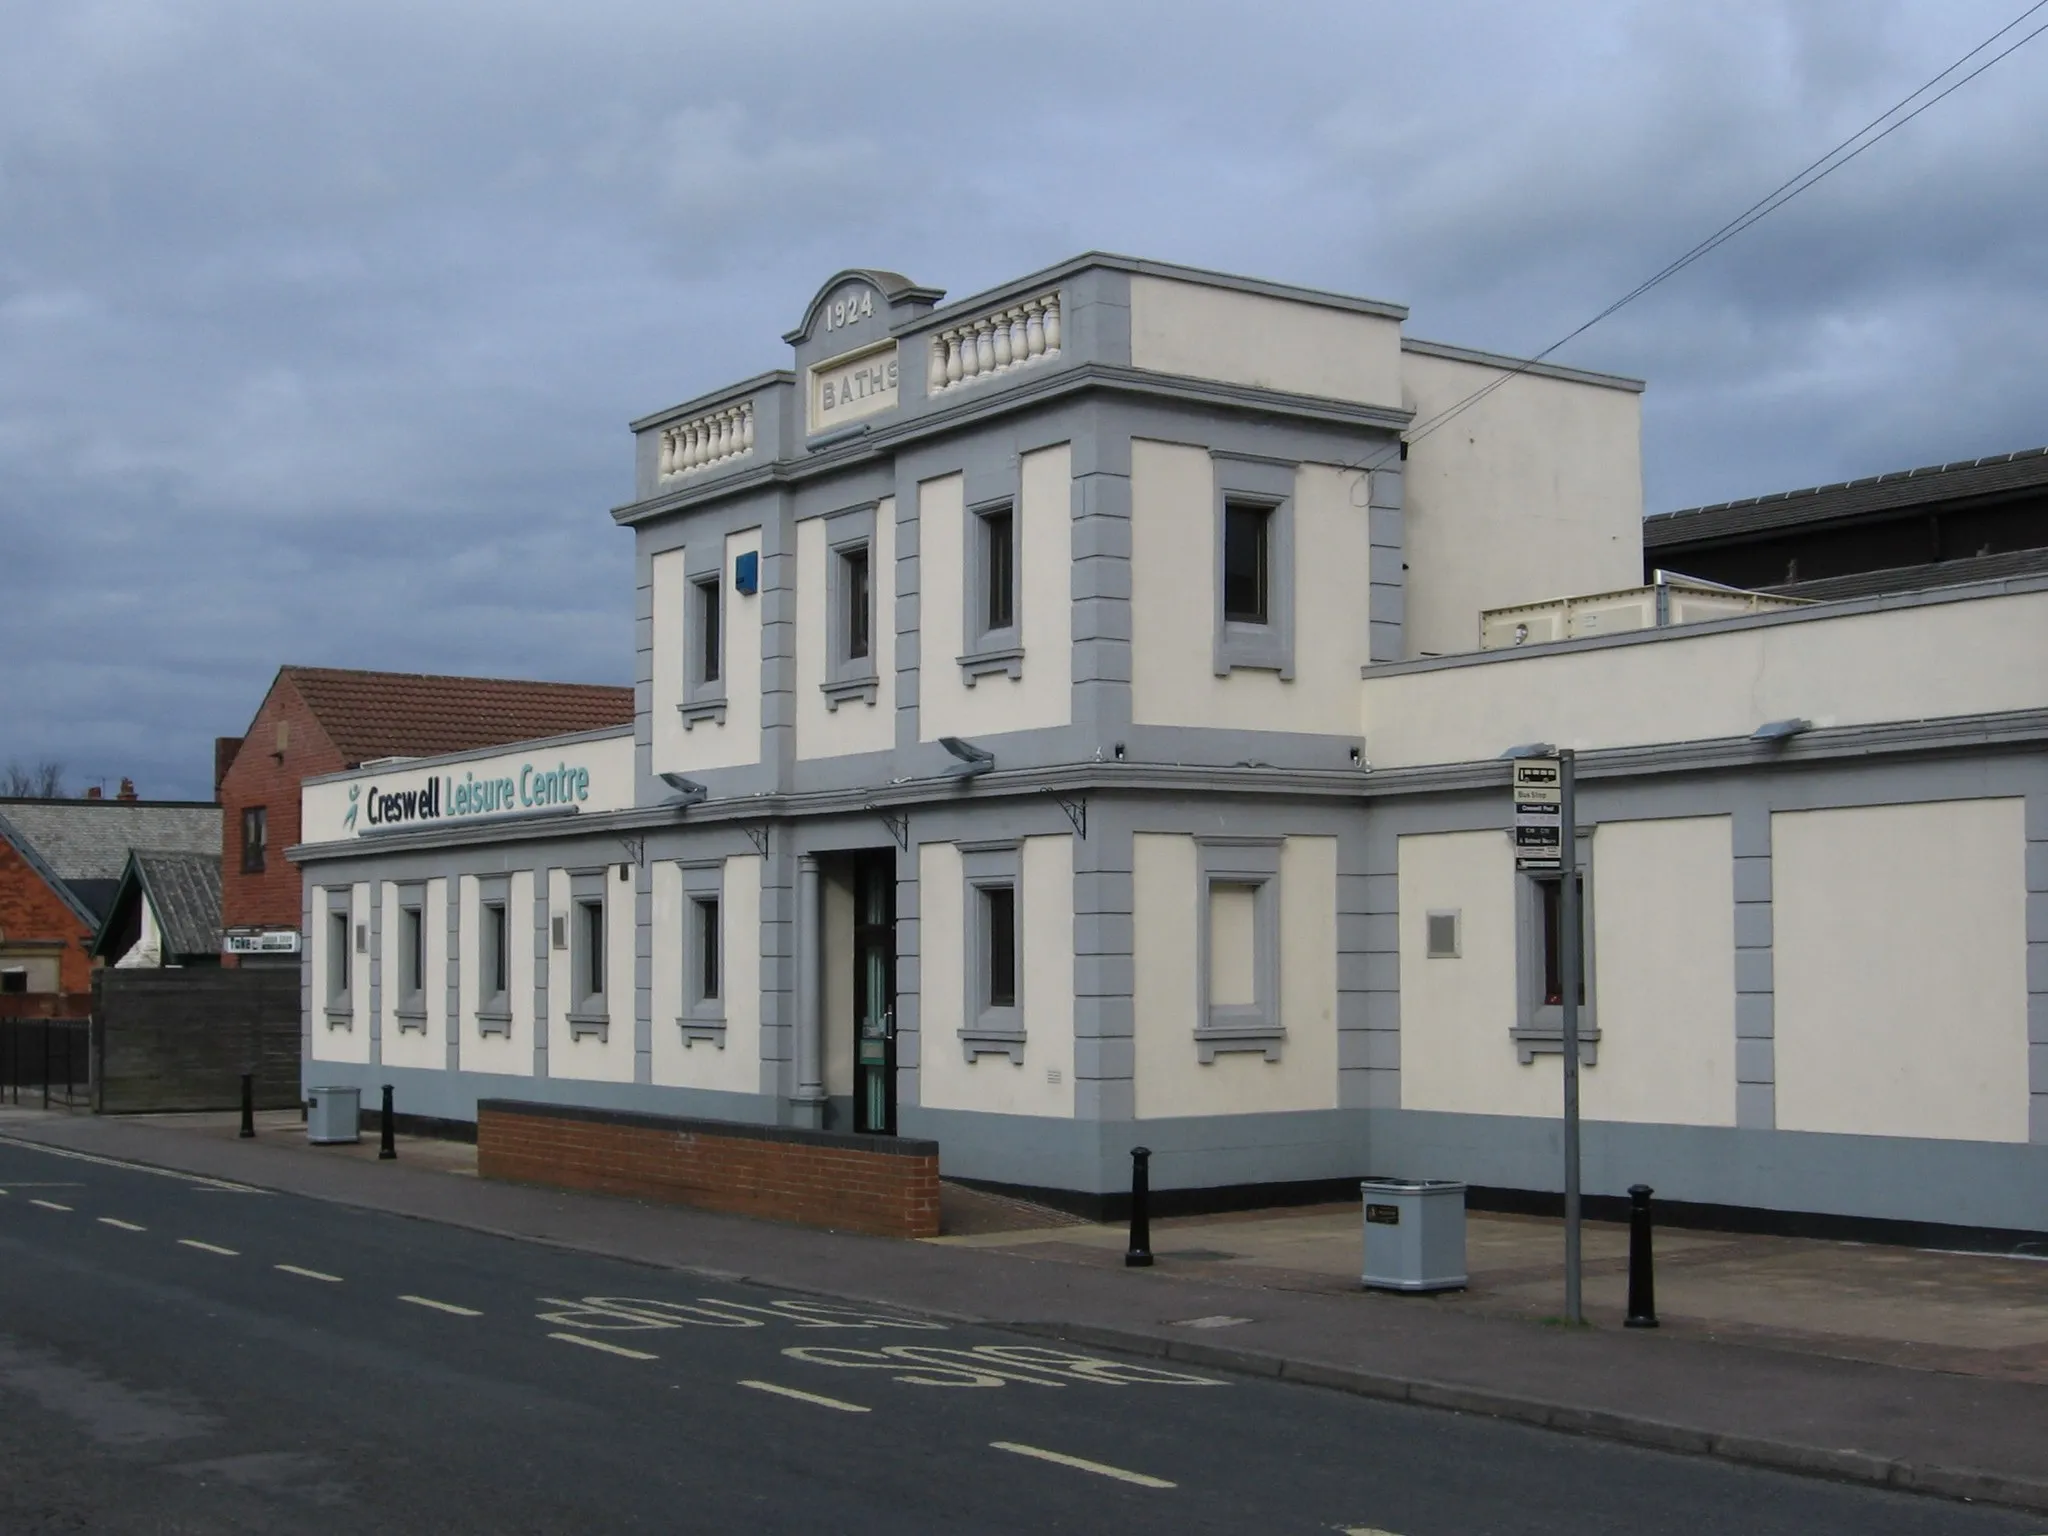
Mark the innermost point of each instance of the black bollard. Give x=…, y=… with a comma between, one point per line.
x=248, y=1105
x=1139, y=1254
x=1642, y=1269
x=386, y=1146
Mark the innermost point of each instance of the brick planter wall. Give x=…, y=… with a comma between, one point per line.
x=885, y=1185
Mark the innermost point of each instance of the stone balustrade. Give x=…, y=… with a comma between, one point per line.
x=709, y=439
x=999, y=342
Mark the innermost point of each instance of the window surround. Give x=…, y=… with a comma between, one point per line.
x=256, y=820
x=411, y=954
x=589, y=1012
x=987, y=1030
x=1539, y=1026
x=1267, y=484
x=991, y=649
x=1253, y=1026
x=849, y=677
x=341, y=1010
x=702, y=1018
x=493, y=953
x=703, y=583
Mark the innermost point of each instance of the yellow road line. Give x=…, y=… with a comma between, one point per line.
x=310, y=1274
x=1098, y=1468
x=442, y=1306
x=125, y=1226
x=805, y=1397
x=610, y=1349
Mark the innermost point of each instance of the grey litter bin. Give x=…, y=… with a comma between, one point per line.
x=336, y=1115
x=1414, y=1234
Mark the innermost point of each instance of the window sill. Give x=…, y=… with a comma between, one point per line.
x=494, y=1021
x=1242, y=647
x=1251, y=1035
x=411, y=1019
x=707, y=1029
x=993, y=1041
x=1544, y=1040
x=582, y=1022
x=341, y=1016
x=1008, y=660
x=865, y=689
x=700, y=710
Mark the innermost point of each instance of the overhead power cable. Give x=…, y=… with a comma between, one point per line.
x=1869, y=135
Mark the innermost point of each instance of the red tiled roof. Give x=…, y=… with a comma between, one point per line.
x=369, y=715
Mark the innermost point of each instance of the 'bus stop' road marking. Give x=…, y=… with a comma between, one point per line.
x=599, y=1344
x=442, y=1306
x=125, y=1226
x=226, y=1253
x=310, y=1274
x=50, y=1205
x=1038, y=1453
x=805, y=1397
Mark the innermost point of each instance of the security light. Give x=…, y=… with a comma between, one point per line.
x=1780, y=730
x=688, y=791
x=1531, y=749
x=973, y=759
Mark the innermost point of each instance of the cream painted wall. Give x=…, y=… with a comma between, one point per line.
x=1170, y=1077
x=508, y=1054
x=1173, y=582
x=837, y=996
x=609, y=1060
x=1664, y=949
x=822, y=731
x=1456, y=1053
x=1247, y=338
x=994, y=1084
x=736, y=1066
x=336, y=1042
x=1847, y=669
x=707, y=743
x=1535, y=492
x=1043, y=696
x=412, y=1047
x=1899, y=958
x=608, y=760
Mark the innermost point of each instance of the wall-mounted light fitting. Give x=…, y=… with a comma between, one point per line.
x=688, y=791
x=1780, y=730
x=972, y=759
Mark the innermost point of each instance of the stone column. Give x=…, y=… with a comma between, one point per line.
x=807, y=1104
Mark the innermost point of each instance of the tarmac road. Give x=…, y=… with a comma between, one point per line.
x=183, y=1355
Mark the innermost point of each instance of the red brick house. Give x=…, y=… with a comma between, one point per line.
x=317, y=720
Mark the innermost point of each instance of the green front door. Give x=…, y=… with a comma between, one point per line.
x=874, y=993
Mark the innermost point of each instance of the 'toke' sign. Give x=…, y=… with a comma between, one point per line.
x=845, y=389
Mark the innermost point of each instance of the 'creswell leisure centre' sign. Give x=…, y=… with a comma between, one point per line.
x=448, y=798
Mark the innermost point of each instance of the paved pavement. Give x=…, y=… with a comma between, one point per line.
x=1851, y=1419
x=188, y=1354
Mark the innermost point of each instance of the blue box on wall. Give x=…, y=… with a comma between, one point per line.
x=746, y=573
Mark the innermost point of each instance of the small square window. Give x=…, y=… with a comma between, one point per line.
x=1247, y=563
x=255, y=833
x=1442, y=937
x=14, y=980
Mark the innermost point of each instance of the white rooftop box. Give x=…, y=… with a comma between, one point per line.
x=1669, y=599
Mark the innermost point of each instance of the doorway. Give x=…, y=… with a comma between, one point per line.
x=874, y=992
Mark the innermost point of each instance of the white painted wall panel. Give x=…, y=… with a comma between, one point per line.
x=735, y=1067
x=1899, y=938
x=822, y=731
x=1268, y=343
x=736, y=741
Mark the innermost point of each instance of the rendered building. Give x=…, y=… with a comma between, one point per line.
x=1061, y=723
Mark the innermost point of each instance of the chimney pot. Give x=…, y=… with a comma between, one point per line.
x=92, y=792
x=127, y=790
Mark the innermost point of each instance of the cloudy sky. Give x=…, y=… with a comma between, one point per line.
x=320, y=324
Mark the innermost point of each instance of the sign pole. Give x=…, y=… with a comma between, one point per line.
x=1570, y=950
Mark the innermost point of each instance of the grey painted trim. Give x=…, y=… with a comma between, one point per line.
x=376, y=973
x=730, y=394
x=1756, y=1093
x=997, y=649
x=1539, y=1027
x=703, y=584
x=847, y=676
x=451, y=1008
x=543, y=960
x=702, y=1018
x=986, y=1029
x=1453, y=354
x=1811, y=613
x=338, y=1003
x=807, y=1102
x=410, y=1008
x=2037, y=962
x=1269, y=486
x=1387, y=554
x=470, y=755
x=493, y=1009
x=1259, y=1025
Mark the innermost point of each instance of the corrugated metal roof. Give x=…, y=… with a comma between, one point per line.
x=1900, y=491
x=368, y=715
x=1918, y=578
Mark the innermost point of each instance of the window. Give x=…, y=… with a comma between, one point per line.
x=14, y=980
x=1238, y=968
x=411, y=960
x=337, y=960
x=702, y=954
x=1247, y=563
x=255, y=832
x=589, y=1009
x=703, y=632
x=994, y=642
x=994, y=1013
x=709, y=652
x=494, y=958
x=1539, y=1011
x=851, y=642
x=494, y=952
x=590, y=926
x=1254, y=566
x=1442, y=940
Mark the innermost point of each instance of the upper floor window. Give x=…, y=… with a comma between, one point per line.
x=859, y=605
x=1254, y=566
x=851, y=643
x=255, y=834
x=1247, y=563
x=994, y=642
x=704, y=647
x=999, y=569
x=710, y=652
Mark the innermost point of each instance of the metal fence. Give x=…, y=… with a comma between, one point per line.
x=46, y=1062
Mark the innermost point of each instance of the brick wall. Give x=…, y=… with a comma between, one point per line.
x=266, y=771
x=880, y=1184
x=31, y=914
x=181, y=1039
